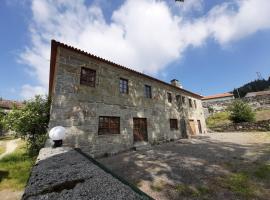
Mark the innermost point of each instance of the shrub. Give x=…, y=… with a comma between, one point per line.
x=30, y=122
x=241, y=112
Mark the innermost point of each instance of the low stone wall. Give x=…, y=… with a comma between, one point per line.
x=256, y=103
x=263, y=125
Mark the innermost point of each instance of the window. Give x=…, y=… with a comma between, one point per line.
x=123, y=86
x=178, y=98
x=169, y=95
x=88, y=77
x=195, y=104
x=109, y=125
x=173, y=124
x=147, y=91
x=190, y=103
x=183, y=100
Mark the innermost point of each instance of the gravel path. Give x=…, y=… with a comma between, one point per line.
x=10, y=147
x=63, y=173
x=193, y=162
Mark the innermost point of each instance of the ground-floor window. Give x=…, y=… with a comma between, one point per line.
x=108, y=125
x=173, y=124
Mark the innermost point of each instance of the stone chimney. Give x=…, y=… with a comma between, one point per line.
x=176, y=83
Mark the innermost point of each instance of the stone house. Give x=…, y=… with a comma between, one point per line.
x=107, y=108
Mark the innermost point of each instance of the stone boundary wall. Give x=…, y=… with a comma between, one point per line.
x=263, y=125
x=257, y=103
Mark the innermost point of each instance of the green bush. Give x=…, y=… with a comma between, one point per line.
x=30, y=122
x=241, y=112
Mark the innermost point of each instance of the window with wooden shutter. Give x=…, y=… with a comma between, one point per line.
x=173, y=124
x=109, y=125
x=88, y=77
x=123, y=87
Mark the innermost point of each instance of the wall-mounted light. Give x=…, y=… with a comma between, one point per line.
x=57, y=134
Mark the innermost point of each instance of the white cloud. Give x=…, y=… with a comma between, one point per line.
x=29, y=91
x=144, y=34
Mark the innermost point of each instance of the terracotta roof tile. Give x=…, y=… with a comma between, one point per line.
x=216, y=96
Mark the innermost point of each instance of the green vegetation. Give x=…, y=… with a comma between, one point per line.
x=262, y=115
x=191, y=191
x=241, y=112
x=248, y=181
x=15, y=168
x=218, y=119
x=30, y=122
x=253, y=86
x=240, y=184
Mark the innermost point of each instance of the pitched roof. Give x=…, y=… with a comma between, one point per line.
x=55, y=44
x=216, y=96
x=260, y=93
x=8, y=104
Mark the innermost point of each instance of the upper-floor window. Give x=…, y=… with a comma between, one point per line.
x=88, y=77
x=183, y=100
x=195, y=103
x=178, y=98
x=169, y=96
x=148, y=91
x=190, y=103
x=123, y=86
x=173, y=124
x=108, y=125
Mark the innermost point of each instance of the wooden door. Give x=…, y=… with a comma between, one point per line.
x=199, y=126
x=192, y=127
x=140, y=129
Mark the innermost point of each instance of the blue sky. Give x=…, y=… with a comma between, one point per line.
x=209, y=46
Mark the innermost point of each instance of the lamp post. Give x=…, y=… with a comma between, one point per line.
x=57, y=134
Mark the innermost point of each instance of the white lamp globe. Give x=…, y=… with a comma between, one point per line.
x=57, y=133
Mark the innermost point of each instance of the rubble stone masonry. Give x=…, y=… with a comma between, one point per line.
x=78, y=107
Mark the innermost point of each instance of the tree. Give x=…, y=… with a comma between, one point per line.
x=241, y=112
x=30, y=122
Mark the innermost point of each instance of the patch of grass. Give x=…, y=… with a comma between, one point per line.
x=218, y=119
x=240, y=184
x=15, y=168
x=262, y=114
x=263, y=172
x=191, y=191
x=2, y=148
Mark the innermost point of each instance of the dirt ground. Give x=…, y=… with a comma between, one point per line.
x=214, y=166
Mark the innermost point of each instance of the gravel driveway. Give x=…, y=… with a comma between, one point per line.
x=194, y=168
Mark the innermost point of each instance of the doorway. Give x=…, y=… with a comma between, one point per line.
x=140, y=129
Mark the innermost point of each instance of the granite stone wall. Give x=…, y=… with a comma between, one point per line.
x=78, y=107
x=263, y=125
x=256, y=103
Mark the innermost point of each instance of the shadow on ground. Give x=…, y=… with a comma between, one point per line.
x=165, y=170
